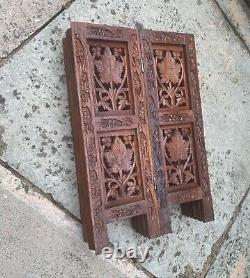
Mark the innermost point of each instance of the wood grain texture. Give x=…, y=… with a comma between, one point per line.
x=182, y=134
x=137, y=128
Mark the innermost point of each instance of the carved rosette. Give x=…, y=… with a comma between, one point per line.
x=89, y=138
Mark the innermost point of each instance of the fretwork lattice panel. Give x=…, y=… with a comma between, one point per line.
x=137, y=128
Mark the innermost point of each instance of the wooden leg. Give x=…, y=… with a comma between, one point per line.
x=147, y=227
x=96, y=239
x=201, y=210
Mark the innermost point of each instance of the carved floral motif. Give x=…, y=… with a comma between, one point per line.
x=88, y=129
x=178, y=156
x=170, y=78
x=183, y=117
x=143, y=124
x=170, y=38
x=159, y=181
x=119, y=164
x=110, y=75
x=104, y=32
x=115, y=123
x=117, y=213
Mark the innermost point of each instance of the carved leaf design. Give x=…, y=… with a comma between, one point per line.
x=179, y=162
x=169, y=69
x=119, y=158
x=178, y=147
x=122, y=101
x=173, y=178
x=113, y=191
x=132, y=188
x=188, y=176
x=109, y=68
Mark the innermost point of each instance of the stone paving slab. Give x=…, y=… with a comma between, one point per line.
x=238, y=13
x=19, y=19
x=35, y=133
x=31, y=246
x=234, y=258
x=38, y=239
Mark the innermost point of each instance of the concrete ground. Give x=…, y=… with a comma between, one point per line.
x=40, y=233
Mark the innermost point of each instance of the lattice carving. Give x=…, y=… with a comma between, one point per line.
x=178, y=156
x=119, y=165
x=110, y=75
x=137, y=128
x=170, y=78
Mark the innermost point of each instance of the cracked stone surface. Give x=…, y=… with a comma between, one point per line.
x=19, y=19
x=29, y=220
x=238, y=13
x=35, y=132
x=31, y=245
x=234, y=257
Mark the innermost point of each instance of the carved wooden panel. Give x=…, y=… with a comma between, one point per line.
x=120, y=167
x=111, y=133
x=179, y=156
x=171, y=77
x=137, y=128
x=110, y=70
x=181, y=128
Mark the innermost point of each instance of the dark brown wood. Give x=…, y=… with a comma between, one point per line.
x=180, y=119
x=137, y=128
x=154, y=127
x=113, y=152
